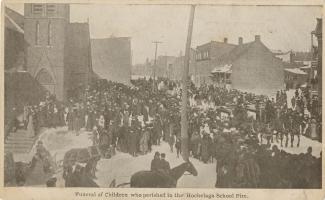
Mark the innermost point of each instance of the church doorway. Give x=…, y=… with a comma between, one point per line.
x=45, y=79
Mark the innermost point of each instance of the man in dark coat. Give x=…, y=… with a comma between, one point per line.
x=164, y=165
x=206, y=140
x=133, y=139
x=155, y=163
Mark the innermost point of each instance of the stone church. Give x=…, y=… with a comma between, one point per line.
x=56, y=53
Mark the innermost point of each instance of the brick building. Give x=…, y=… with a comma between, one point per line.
x=112, y=59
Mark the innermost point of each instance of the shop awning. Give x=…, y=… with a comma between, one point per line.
x=295, y=71
x=222, y=69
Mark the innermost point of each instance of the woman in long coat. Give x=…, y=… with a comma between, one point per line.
x=157, y=130
x=144, y=141
x=205, y=154
x=195, y=144
x=313, y=129
x=171, y=142
x=75, y=120
x=30, y=125
x=70, y=119
x=133, y=139
x=105, y=140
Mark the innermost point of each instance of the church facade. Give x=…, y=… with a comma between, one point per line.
x=58, y=53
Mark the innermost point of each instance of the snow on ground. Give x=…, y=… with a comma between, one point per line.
x=122, y=165
x=57, y=141
x=304, y=144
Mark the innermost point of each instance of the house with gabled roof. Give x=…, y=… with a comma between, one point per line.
x=254, y=68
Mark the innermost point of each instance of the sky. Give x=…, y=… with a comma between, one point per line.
x=280, y=27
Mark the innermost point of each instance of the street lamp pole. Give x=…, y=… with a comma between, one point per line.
x=155, y=64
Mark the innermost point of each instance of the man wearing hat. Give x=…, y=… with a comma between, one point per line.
x=51, y=182
x=155, y=163
x=164, y=165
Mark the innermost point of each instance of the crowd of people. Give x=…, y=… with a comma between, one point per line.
x=131, y=119
x=47, y=113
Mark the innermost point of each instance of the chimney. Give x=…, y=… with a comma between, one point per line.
x=257, y=38
x=225, y=40
x=240, y=41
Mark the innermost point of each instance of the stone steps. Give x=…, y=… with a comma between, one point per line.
x=19, y=142
x=20, y=138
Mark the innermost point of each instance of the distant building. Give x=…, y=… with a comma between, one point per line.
x=170, y=67
x=294, y=78
x=165, y=67
x=177, y=67
x=300, y=68
x=301, y=58
x=111, y=58
x=143, y=70
x=285, y=57
x=318, y=52
x=254, y=68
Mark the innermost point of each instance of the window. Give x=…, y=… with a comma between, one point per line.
x=37, y=9
x=50, y=9
x=37, y=42
x=49, y=36
x=295, y=77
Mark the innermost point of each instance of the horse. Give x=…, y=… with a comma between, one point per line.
x=83, y=175
x=80, y=155
x=152, y=179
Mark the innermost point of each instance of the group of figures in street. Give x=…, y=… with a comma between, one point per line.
x=132, y=119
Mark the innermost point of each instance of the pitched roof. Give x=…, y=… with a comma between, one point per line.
x=236, y=52
x=217, y=49
x=14, y=20
x=217, y=43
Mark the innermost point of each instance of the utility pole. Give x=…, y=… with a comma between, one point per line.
x=155, y=65
x=184, y=121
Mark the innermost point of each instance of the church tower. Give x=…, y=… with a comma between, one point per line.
x=45, y=28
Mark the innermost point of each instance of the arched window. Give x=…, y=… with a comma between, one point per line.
x=49, y=36
x=37, y=34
